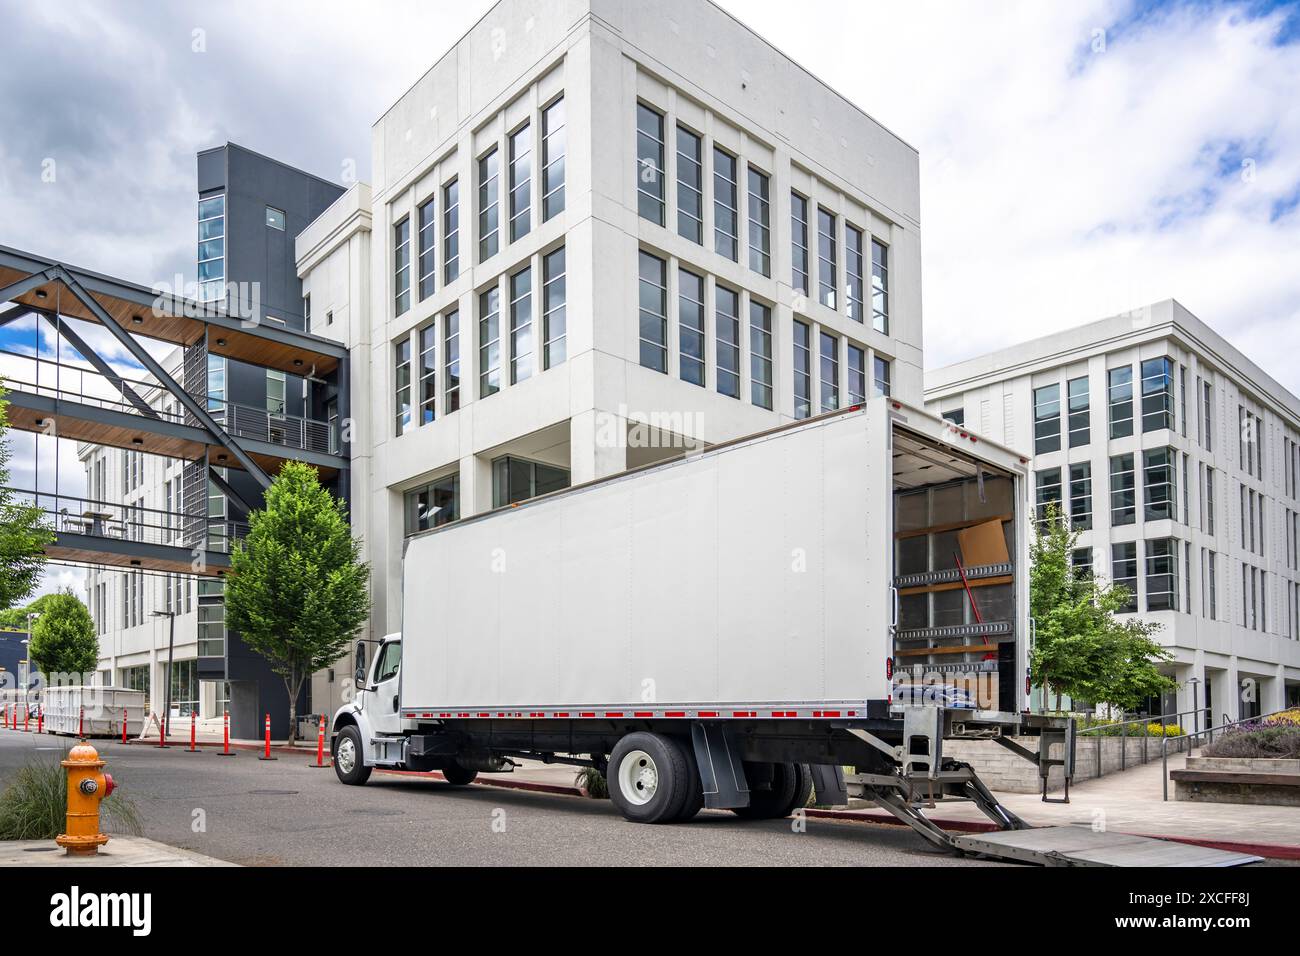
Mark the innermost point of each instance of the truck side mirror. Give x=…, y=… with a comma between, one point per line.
x=360, y=658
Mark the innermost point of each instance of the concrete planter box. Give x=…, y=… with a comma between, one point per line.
x=1003, y=770
x=1257, y=780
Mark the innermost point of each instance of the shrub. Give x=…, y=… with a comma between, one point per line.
x=1275, y=742
x=35, y=805
x=592, y=782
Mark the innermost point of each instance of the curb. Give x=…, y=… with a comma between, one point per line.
x=529, y=785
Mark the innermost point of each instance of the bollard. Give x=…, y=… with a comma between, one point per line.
x=27, y=717
x=193, y=749
x=267, y=754
x=225, y=750
x=320, y=746
x=124, y=726
x=40, y=719
x=87, y=786
x=81, y=722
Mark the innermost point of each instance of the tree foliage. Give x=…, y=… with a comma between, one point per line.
x=297, y=586
x=1081, y=648
x=63, y=638
x=23, y=532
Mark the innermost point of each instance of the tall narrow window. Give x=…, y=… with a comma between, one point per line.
x=653, y=281
x=760, y=223
x=879, y=286
x=451, y=231
x=1209, y=500
x=690, y=186
x=882, y=376
x=760, y=354
x=826, y=257
x=489, y=204
x=1207, y=403
x=451, y=361
x=402, y=383
x=853, y=266
x=650, y=164
x=799, y=243
x=1119, y=384
x=521, y=182
x=829, y=368
x=1081, y=496
x=1157, y=394
x=489, y=342
x=1124, y=571
x=1214, y=586
x=690, y=316
x=1047, y=492
x=726, y=216
x=276, y=392
x=428, y=372
x=1123, y=490
x=727, y=325
x=521, y=325
x=554, y=149
x=402, y=266
x=1162, y=574
x=428, y=260
x=1158, y=484
x=554, y=309
x=1047, y=419
x=212, y=249
x=802, y=370
x=857, y=377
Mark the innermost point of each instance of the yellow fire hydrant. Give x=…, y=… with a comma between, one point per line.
x=86, y=788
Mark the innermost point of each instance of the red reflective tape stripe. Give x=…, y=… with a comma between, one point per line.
x=675, y=713
x=484, y=713
x=744, y=713
x=613, y=713
x=644, y=713
x=563, y=713
x=586, y=713
x=708, y=713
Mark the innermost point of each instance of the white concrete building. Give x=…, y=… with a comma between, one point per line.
x=597, y=229
x=1179, y=461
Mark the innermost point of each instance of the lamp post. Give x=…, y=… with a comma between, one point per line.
x=1193, y=683
x=171, y=647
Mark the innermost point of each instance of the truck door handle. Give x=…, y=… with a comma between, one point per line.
x=893, y=607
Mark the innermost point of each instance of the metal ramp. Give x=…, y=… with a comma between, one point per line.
x=1080, y=845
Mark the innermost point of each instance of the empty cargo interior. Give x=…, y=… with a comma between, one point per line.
x=955, y=571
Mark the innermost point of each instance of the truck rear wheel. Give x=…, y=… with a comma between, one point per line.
x=349, y=758
x=803, y=788
x=458, y=776
x=776, y=801
x=649, y=780
x=694, y=801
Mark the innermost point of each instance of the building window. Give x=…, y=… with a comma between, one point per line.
x=451, y=360
x=275, y=391
x=726, y=215
x=955, y=415
x=275, y=218
x=489, y=342
x=402, y=265
x=1207, y=403
x=1081, y=496
x=829, y=370
x=428, y=261
x=521, y=325
x=690, y=186
x=1209, y=500
x=451, y=231
x=521, y=182
x=1080, y=412
x=554, y=309
x=185, y=688
x=1157, y=394
x=1162, y=574
x=554, y=149
x=517, y=479
x=1123, y=490
x=653, y=273
x=433, y=504
x=1212, y=585
x=1047, y=491
x=799, y=243
x=826, y=257
x=726, y=322
x=489, y=204
x=760, y=354
x=1119, y=383
x=882, y=375
x=879, y=287
x=1081, y=562
x=802, y=370
x=690, y=316
x=212, y=249
x=650, y=164
x=211, y=627
x=402, y=379
x=428, y=372
x=760, y=223
x=1124, y=571
x=853, y=265
x=1158, y=484
x=857, y=378
x=1047, y=419
x=306, y=312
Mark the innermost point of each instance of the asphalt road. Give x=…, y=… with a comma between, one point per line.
x=252, y=812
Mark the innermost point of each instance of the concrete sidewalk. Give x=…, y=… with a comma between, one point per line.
x=119, y=851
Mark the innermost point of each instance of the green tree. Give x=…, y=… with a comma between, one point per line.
x=63, y=637
x=1080, y=647
x=297, y=586
x=23, y=532
x=15, y=618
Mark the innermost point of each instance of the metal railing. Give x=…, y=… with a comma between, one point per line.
x=115, y=521
x=1164, y=755
x=290, y=431
x=1099, y=731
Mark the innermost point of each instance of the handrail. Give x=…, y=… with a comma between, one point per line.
x=1164, y=755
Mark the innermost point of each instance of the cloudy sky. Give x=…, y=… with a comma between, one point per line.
x=1077, y=159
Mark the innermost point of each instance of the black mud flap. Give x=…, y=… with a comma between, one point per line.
x=721, y=772
x=828, y=783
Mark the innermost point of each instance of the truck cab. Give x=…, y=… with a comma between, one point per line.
x=367, y=730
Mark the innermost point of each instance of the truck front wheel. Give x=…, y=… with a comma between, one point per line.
x=349, y=758
x=458, y=776
x=649, y=780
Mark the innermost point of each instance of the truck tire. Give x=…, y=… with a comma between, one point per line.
x=694, y=801
x=349, y=758
x=803, y=788
x=773, y=803
x=458, y=776
x=648, y=778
